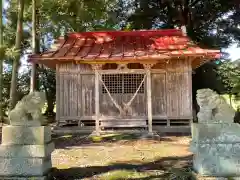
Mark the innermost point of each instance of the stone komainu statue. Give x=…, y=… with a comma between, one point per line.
x=213, y=107
x=28, y=111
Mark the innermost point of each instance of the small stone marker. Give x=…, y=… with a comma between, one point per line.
x=25, y=152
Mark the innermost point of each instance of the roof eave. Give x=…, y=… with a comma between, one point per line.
x=51, y=62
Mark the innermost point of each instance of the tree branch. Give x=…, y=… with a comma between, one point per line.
x=194, y=3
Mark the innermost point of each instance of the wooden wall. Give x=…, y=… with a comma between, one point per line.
x=179, y=89
x=171, y=92
x=75, y=92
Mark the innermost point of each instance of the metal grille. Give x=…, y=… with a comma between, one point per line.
x=123, y=83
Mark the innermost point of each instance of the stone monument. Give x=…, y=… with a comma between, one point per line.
x=25, y=152
x=215, y=138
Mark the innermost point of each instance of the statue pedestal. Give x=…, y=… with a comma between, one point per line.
x=216, y=149
x=25, y=152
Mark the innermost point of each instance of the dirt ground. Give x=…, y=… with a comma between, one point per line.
x=119, y=157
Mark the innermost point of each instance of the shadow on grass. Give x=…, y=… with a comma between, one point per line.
x=162, y=165
x=68, y=141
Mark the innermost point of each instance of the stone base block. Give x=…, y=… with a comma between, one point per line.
x=26, y=123
x=216, y=133
x=31, y=151
x=217, y=166
x=199, y=177
x=229, y=149
x=25, y=166
x=24, y=135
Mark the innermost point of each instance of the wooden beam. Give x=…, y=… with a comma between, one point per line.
x=147, y=67
x=127, y=71
x=120, y=61
x=96, y=68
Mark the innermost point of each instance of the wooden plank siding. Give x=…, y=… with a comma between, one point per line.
x=178, y=88
x=75, y=84
x=159, y=97
x=171, y=93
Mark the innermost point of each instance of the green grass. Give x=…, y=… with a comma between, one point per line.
x=113, y=137
x=122, y=175
x=171, y=174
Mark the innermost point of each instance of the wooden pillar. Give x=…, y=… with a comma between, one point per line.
x=96, y=67
x=189, y=79
x=149, y=96
x=33, y=77
x=57, y=118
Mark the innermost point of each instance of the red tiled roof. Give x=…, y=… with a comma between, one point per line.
x=123, y=45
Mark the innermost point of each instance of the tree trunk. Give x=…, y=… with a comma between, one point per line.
x=50, y=106
x=50, y=102
x=16, y=62
x=35, y=45
x=170, y=12
x=1, y=62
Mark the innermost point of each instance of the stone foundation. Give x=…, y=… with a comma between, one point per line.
x=216, y=149
x=199, y=177
x=25, y=152
x=27, y=135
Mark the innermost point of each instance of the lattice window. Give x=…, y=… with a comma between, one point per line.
x=123, y=83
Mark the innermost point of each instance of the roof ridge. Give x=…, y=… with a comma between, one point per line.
x=160, y=32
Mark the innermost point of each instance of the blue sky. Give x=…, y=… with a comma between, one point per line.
x=234, y=52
